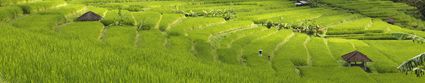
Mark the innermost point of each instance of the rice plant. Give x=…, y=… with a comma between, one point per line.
x=151, y=41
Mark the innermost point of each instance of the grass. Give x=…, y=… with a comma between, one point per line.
x=168, y=19
x=148, y=19
x=42, y=46
x=238, y=44
x=388, y=78
x=14, y=2
x=100, y=11
x=339, y=74
x=40, y=23
x=82, y=30
x=249, y=48
x=148, y=39
x=9, y=13
x=120, y=36
x=228, y=55
x=193, y=24
x=398, y=51
x=360, y=24
x=320, y=54
x=214, y=32
x=31, y=8
x=113, y=17
x=336, y=19
x=70, y=12
x=294, y=50
x=401, y=12
x=340, y=47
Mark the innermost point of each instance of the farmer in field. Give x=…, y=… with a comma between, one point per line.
x=260, y=52
x=269, y=57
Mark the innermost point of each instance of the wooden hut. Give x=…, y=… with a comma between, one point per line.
x=89, y=16
x=390, y=20
x=356, y=56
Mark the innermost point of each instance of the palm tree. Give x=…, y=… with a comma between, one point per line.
x=416, y=65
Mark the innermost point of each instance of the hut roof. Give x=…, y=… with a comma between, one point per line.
x=356, y=56
x=390, y=20
x=89, y=16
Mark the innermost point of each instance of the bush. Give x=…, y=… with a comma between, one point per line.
x=226, y=14
x=307, y=27
x=69, y=12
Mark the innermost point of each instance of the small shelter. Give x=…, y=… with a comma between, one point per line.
x=89, y=16
x=356, y=56
x=390, y=20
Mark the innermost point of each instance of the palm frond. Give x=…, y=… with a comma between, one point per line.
x=414, y=65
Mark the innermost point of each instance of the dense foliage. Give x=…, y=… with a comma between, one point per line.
x=307, y=27
x=414, y=65
x=226, y=14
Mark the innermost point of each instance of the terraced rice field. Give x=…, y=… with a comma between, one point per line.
x=152, y=41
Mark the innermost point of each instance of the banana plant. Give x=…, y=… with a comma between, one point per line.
x=415, y=65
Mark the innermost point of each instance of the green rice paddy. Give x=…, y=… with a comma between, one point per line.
x=152, y=41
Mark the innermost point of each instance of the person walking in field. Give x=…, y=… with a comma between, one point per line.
x=260, y=52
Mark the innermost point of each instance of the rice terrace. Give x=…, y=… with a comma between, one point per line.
x=212, y=41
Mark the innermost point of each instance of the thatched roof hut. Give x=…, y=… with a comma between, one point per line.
x=89, y=16
x=356, y=56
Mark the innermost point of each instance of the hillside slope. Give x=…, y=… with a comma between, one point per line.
x=196, y=41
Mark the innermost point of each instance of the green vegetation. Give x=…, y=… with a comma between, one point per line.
x=36, y=7
x=41, y=23
x=212, y=41
x=9, y=13
x=119, y=17
x=384, y=9
x=148, y=20
x=82, y=30
x=168, y=20
x=295, y=50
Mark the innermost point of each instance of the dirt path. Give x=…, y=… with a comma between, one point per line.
x=159, y=22
x=329, y=50
x=174, y=23
x=309, y=61
x=214, y=38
